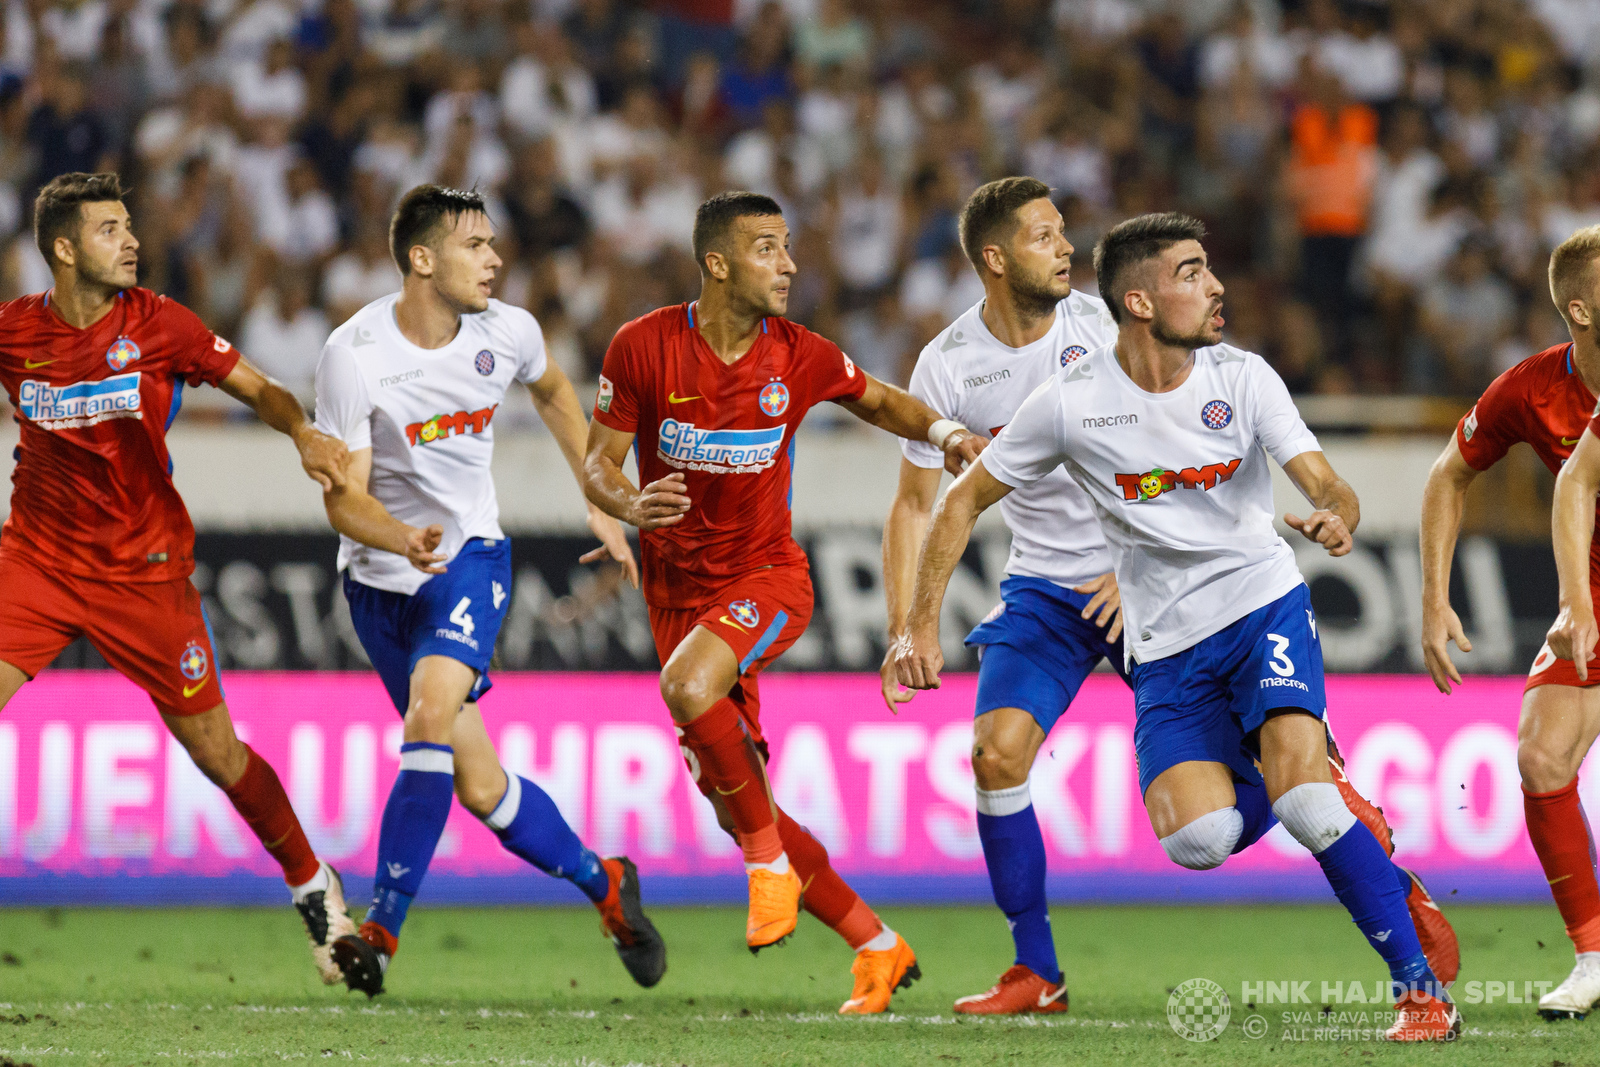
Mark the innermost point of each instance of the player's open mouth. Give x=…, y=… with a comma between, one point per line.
x=1216, y=317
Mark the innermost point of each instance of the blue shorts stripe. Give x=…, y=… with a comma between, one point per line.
x=215, y=664
x=765, y=643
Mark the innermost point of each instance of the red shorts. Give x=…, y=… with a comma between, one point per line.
x=1548, y=670
x=758, y=615
x=155, y=633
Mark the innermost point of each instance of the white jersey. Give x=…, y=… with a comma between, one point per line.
x=1180, y=483
x=427, y=414
x=968, y=375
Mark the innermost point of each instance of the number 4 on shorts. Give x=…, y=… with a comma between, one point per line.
x=460, y=617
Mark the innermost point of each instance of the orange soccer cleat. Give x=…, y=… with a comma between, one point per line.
x=878, y=975
x=1434, y=931
x=1018, y=992
x=774, y=907
x=1422, y=1017
x=1369, y=813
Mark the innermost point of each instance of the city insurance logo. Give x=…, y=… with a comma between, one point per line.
x=1199, y=1010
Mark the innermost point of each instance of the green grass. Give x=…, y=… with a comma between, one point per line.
x=513, y=986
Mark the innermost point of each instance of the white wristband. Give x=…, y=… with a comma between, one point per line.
x=941, y=430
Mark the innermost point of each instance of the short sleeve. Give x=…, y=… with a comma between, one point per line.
x=532, y=358
x=1279, y=428
x=343, y=407
x=1486, y=433
x=617, y=403
x=1030, y=446
x=199, y=356
x=930, y=385
x=834, y=375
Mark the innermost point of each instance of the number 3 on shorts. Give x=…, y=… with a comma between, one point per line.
x=1281, y=664
x=460, y=617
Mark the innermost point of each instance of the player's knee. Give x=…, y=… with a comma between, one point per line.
x=686, y=692
x=430, y=720
x=995, y=766
x=1207, y=841
x=222, y=759
x=479, y=795
x=1543, y=769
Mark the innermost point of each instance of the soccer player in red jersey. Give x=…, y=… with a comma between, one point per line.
x=710, y=394
x=98, y=542
x=1546, y=400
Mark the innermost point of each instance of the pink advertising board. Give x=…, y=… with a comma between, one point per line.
x=98, y=804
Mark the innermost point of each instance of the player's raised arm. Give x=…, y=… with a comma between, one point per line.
x=1333, y=524
x=903, y=531
x=891, y=408
x=323, y=457
x=1572, y=525
x=917, y=655
x=1443, y=500
x=557, y=404
x=661, y=503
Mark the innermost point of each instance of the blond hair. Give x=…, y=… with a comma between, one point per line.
x=1572, y=269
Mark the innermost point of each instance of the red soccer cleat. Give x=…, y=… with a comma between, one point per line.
x=1421, y=1017
x=1018, y=992
x=1434, y=931
x=1369, y=813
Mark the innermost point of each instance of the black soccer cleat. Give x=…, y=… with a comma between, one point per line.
x=622, y=919
x=363, y=964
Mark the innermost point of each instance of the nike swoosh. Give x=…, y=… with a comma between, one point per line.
x=31, y=365
x=1046, y=999
x=1563, y=878
x=674, y=398
x=1564, y=440
x=729, y=792
x=733, y=624
x=189, y=691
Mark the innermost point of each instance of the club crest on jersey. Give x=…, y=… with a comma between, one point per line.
x=1216, y=415
x=484, y=363
x=193, y=663
x=745, y=613
x=1072, y=353
x=121, y=353
x=441, y=426
x=775, y=399
x=1155, y=482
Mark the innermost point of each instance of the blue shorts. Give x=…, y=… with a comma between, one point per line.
x=1037, y=649
x=455, y=614
x=1208, y=702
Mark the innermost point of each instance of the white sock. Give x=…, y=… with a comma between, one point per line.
x=1591, y=959
x=1314, y=814
x=885, y=941
x=777, y=866
x=318, y=884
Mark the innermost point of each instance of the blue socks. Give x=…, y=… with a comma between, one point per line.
x=1251, y=801
x=413, y=819
x=530, y=825
x=1363, y=879
x=1013, y=848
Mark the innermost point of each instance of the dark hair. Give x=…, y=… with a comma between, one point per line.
x=423, y=213
x=57, y=209
x=717, y=215
x=1133, y=241
x=992, y=208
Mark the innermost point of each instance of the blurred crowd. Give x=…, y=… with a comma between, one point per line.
x=1382, y=180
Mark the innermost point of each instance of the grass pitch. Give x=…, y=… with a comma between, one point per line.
x=510, y=986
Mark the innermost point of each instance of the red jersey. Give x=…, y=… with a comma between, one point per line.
x=729, y=429
x=93, y=493
x=1542, y=401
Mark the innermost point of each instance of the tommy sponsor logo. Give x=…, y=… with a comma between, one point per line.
x=441, y=426
x=402, y=377
x=978, y=380
x=63, y=407
x=683, y=444
x=1110, y=420
x=1151, y=484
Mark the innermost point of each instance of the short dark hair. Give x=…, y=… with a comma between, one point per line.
x=1133, y=241
x=993, y=208
x=57, y=210
x=423, y=213
x=716, y=217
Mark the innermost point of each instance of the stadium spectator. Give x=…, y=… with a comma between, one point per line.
x=1466, y=313
x=287, y=333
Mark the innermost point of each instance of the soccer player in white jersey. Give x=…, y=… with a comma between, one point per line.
x=1167, y=431
x=411, y=385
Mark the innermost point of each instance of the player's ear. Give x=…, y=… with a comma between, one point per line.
x=65, y=251
x=717, y=266
x=1137, y=302
x=1580, y=312
x=994, y=259
x=422, y=261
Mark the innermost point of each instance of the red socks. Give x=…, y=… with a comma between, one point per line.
x=827, y=896
x=1561, y=837
x=730, y=763
x=258, y=796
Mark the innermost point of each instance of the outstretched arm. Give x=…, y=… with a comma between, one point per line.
x=1333, y=524
x=661, y=503
x=557, y=404
x=891, y=408
x=323, y=457
x=917, y=655
x=1443, y=499
x=1572, y=524
x=903, y=531
x=359, y=515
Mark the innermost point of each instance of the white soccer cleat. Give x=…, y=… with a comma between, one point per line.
x=327, y=918
x=1574, y=998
